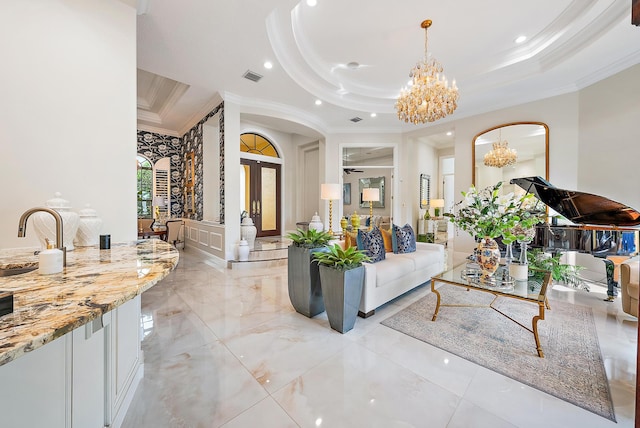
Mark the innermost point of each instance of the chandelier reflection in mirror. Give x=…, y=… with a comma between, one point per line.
x=500, y=155
x=429, y=97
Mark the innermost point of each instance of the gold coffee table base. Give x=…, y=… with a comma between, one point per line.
x=540, y=299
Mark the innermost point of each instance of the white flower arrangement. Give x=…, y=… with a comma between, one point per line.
x=487, y=213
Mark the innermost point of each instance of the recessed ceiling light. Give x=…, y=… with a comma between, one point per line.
x=353, y=65
x=449, y=133
x=268, y=65
x=373, y=115
x=318, y=102
x=312, y=3
x=521, y=39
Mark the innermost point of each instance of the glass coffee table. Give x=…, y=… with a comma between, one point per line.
x=533, y=289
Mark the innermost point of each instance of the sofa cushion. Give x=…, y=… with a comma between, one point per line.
x=350, y=239
x=388, y=242
x=393, y=268
x=403, y=239
x=371, y=242
x=421, y=259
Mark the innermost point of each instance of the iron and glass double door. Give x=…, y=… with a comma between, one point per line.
x=262, y=195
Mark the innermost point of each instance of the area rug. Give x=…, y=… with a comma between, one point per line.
x=572, y=367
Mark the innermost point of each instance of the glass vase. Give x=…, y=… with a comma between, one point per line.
x=508, y=254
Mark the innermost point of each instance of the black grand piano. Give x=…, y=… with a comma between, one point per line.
x=602, y=227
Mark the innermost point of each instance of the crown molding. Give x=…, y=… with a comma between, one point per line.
x=158, y=130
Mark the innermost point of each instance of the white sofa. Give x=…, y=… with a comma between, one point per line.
x=399, y=273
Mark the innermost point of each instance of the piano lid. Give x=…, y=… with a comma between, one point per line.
x=580, y=207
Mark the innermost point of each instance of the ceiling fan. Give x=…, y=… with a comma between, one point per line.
x=350, y=170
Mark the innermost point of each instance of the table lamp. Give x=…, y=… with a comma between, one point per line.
x=330, y=192
x=437, y=204
x=371, y=195
x=157, y=202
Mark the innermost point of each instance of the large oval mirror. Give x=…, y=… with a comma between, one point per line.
x=512, y=150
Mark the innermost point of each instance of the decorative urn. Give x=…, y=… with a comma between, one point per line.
x=89, y=228
x=316, y=223
x=45, y=224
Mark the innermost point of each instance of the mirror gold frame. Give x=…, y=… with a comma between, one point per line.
x=538, y=171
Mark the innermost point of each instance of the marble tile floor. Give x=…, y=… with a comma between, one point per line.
x=224, y=348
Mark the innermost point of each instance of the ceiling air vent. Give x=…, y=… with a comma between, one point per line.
x=355, y=119
x=251, y=75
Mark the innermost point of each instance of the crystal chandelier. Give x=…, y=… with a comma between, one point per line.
x=500, y=155
x=429, y=97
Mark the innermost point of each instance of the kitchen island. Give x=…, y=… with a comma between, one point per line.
x=70, y=351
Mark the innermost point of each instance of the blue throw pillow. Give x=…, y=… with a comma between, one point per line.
x=403, y=240
x=371, y=242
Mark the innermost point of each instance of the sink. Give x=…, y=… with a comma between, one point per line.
x=17, y=271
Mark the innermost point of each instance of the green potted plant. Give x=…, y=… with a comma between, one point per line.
x=303, y=275
x=560, y=272
x=342, y=279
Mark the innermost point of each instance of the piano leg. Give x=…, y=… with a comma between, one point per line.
x=612, y=284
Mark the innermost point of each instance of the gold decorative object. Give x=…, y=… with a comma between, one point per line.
x=429, y=97
x=355, y=221
x=500, y=155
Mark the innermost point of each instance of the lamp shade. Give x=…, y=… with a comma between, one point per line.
x=437, y=203
x=158, y=201
x=371, y=195
x=330, y=191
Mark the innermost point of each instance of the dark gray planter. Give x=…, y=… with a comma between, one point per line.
x=304, y=281
x=342, y=291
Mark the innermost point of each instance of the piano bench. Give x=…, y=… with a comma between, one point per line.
x=629, y=286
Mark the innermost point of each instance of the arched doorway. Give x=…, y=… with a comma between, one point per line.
x=261, y=192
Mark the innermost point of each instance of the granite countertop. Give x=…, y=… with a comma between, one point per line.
x=94, y=282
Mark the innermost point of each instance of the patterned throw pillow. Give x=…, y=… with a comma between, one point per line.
x=371, y=241
x=404, y=240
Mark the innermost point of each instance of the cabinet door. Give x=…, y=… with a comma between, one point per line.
x=124, y=359
x=88, y=382
x=33, y=388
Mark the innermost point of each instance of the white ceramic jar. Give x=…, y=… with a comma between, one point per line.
x=89, y=227
x=243, y=251
x=248, y=231
x=45, y=224
x=316, y=223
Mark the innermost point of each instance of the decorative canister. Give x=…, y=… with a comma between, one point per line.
x=248, y=231
x=316, y=223
x=344, y=223
x=488, y=257
x=243, y=251
x=89, y=228
x=355, y=220
x=45, y=224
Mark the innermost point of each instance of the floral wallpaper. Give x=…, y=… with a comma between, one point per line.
x=193, y=142
x=157, y=146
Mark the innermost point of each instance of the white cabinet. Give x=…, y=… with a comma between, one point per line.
x=88, y=374
x=34, y=388
x=84, y=379
x=124, y=360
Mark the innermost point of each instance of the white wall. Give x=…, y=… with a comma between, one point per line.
x=68, y=111
x=609, y=156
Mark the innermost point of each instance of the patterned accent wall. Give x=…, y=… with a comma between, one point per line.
x=193, y=142
x=157, y=146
